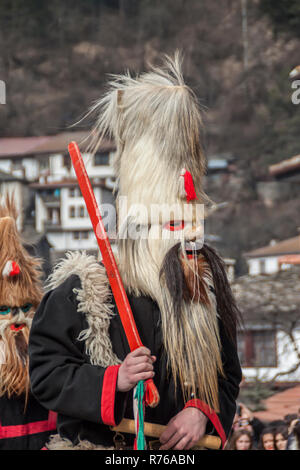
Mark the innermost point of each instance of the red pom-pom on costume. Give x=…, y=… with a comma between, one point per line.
x=11, y=269
x=186, y=186
x=189, y=187
x=15, y=269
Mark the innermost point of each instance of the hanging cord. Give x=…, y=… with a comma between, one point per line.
x=139, y=411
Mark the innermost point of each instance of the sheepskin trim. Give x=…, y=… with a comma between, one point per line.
x=60, y=443
x=94, y=300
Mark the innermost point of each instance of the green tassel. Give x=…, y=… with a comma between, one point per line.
x=139, y=395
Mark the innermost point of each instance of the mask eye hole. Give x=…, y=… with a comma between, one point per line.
x=174, y=225
x=25, y=308
x=4, y=310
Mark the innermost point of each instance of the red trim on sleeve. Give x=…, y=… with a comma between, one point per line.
x=210, y=414
x=108, y=395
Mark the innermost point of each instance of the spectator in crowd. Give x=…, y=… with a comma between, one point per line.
x=266, y=441
x=245, y=420
x=281, y=437
x=240, y=440
x=249, y=433
x=294, y=435
x=289, y=418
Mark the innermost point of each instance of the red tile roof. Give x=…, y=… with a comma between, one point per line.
x=281, y=404
x=15, y=146
x=22, y=146
x=285, y=247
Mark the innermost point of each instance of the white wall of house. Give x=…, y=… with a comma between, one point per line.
x=29, y=168
x=71, y=203
x=76, y=220
x=58, y=171
x=20, y=192
x=64, y=241
x=68, y=201
x=40, y=213
x=263, y=265
x=5, y=165
x=286, y=359
x=102, y=171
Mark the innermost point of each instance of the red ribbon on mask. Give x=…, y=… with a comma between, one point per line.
x=11, y=269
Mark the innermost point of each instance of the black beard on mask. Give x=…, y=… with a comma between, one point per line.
x=172, y=272
x=173, y=275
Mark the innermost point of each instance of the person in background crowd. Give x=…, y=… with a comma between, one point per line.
x=289, y=418
x=294, y=435
x=24, y=423
x=245, y=420
x=281, y=437
x=267, y=441
x=240, y=440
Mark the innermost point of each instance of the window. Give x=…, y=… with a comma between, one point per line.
x=257, y=348
x=17, y=164
x=67, y=161
x=72, y=212
x=53, y=216
x=262, y=266
x=84, y=235
x=101, y=159
x=74, y=192
x=81, y=211
x=44, y=163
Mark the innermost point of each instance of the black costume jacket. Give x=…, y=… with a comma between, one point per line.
x=24, y=429
x=84, y=395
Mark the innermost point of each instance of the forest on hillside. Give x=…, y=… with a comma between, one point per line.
x=55, y=57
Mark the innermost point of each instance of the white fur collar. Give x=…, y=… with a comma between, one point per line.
x=94, y=300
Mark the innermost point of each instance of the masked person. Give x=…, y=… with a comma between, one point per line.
x=81, y=365
x=24, y=423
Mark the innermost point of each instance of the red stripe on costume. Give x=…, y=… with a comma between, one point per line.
x=210, y=414
x=108, y=395
x=52, y=417
x=21, y=430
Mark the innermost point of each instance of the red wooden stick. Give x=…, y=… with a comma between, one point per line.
x=113, y=274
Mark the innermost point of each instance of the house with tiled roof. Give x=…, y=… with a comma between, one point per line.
x=9, y=184
x=282, y=182
x=276, y=256
x=269, y=339
x=59, y=209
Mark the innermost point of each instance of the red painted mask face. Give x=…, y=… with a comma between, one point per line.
x=174, y=225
